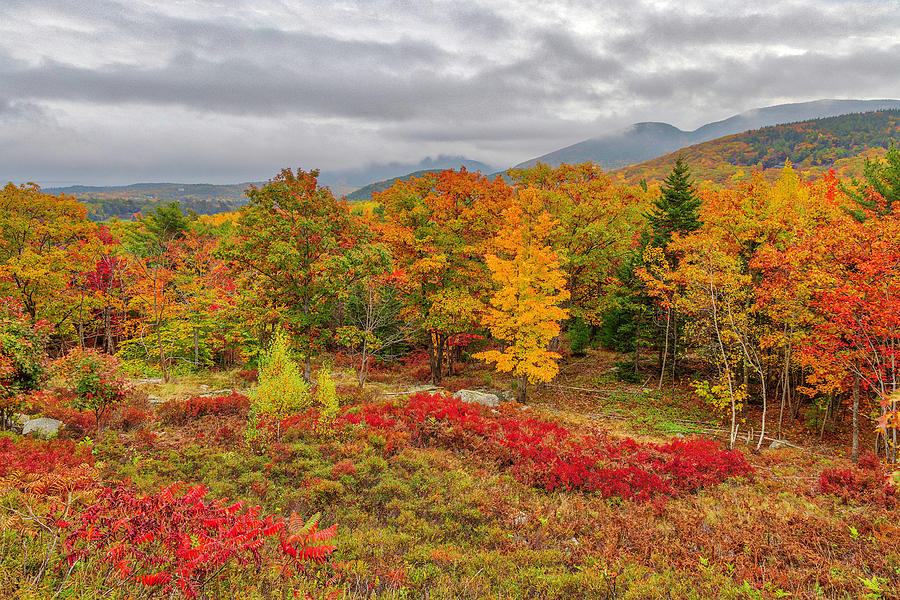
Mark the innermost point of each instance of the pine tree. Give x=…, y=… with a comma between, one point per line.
x=880, y=191
x=676, y=209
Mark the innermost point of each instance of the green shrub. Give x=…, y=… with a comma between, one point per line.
x=326, y=395
x=281, y=392
x=579, y=336
x=22, y=364
x=96, y=381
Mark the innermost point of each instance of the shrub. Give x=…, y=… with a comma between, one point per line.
x=180, y=412
x=22, y=364
x=282, y=390
x=249, y=375
x=41, y=456
x=78, y=422
x=172, y=543
x=95, y=380
x=326, y=395
x=133, y=418
x=868, y=484
x=579, y=336
x=548, y=455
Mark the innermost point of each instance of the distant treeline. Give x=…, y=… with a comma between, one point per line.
x=102, y=209
x=813, y=147
x=813, y=143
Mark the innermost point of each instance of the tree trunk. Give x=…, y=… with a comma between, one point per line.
x=662, y=365
x=521, y=389
x=854, y=452
x=158, y=323
x=436, y=358
x=196, y=347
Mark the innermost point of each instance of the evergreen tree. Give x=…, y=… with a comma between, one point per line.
x=880, y=191
x=676, y=209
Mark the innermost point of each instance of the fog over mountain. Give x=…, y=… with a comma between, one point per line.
x=643, y=141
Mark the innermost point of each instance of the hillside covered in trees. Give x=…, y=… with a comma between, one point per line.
x=841, y=143
x=556, y=385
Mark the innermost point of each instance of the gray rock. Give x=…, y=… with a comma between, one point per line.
x=42, y=427
x=208, y=393
x=474, y=397
x=154, y=399
x=778, y=444
x=504, y=395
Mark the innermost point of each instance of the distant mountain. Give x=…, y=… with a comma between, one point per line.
x=364, y=194
x=812, y=146
x=644, y=141
x=358, y=178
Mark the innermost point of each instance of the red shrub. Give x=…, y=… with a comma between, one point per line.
x=59, y=407
x=179, y=412
x=867, y=460
x=40, y=456
x=417, y=358
x=421, y=373
x=249, y=375
x=134, y=417
x=344, y=467
x=548, y=455
x=145, y=439
x=869, y=485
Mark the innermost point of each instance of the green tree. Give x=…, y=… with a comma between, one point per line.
x=299, y=249
x=880, y=191
x=676, y=210
x=167, y=222
x=95, y=379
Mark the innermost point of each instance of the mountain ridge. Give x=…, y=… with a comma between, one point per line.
x=649, y=139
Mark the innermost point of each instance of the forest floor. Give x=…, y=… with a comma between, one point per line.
x=457, y=504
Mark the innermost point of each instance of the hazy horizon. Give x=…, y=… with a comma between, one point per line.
x=116, y=92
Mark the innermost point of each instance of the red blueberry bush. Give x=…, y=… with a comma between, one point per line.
x=866, y=483
x=548, y=455
x=180, y=412
x=39, y=456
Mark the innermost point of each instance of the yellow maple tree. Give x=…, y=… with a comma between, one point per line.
x=525, y=310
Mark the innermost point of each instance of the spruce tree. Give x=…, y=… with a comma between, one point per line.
x=881, y=178
x=676, y=209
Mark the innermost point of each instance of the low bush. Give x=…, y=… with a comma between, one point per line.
x=866, y=483
x=41, y=456
x=548, y=455
x=180, y=412
x=78, y=423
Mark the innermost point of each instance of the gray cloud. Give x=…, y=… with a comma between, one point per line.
x=112, y=90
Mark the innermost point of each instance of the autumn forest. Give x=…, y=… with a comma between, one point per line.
x=551, y=383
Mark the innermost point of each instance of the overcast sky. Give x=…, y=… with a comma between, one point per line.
x=119, y=91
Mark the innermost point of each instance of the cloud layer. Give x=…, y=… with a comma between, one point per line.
x=118, y=91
